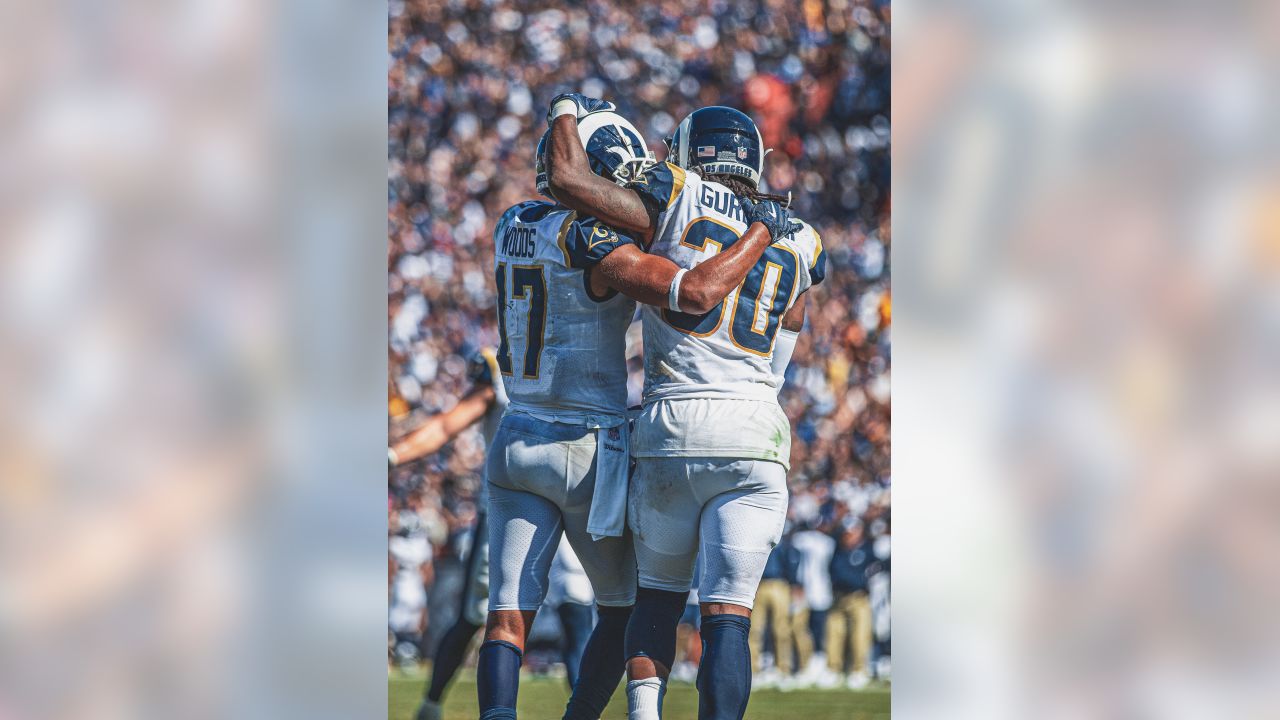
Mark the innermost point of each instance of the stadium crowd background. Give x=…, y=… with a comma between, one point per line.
x=469, y=83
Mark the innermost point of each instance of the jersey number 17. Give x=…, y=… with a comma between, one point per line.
x=529, y=283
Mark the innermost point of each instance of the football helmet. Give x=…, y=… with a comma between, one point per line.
x=719, y=139
x=615, y=149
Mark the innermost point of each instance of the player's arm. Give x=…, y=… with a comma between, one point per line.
x=443, y=427
x=657, y=281
x=648, y=278
x=793, y=320
x=572, y=183
x=784, y=345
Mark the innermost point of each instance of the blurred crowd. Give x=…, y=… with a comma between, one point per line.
x=469, y=82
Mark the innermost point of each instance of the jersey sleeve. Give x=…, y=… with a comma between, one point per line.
x=587, y=241
x=660, y=186
x=818, y=264
x=807, y=245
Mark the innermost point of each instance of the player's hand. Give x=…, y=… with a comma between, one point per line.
x=772, y=215
x=577, y=104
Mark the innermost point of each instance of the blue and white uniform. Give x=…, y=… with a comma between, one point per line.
x=564, y=437
x=475, y=589
x=712, y=444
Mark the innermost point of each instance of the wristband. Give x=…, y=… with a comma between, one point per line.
x=564, y=107
x=673, y=295
x=392, y=458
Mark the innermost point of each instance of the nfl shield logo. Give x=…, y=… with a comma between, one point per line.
x=706, y=151
x=614, y=434
x=742, y=153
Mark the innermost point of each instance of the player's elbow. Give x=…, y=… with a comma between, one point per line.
x=695, y=300
x=560, y=179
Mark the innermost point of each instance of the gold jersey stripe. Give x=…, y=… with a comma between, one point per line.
x=677, y=183
x=564, y=230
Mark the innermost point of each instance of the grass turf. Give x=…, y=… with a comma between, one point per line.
x=543, y=698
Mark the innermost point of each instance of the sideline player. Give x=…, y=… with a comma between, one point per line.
x=712, y=444
x=559, y=463
x=571, y=595
x=485, y=403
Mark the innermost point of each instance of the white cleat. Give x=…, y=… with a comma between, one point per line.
x=826, y=679
x=857, y=681
x=766, y=679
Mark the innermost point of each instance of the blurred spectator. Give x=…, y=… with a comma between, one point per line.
x=468, y=86
x=411, y=573
x=812, y=551
x=849, y=622
x=569, y=592
x=772, y=607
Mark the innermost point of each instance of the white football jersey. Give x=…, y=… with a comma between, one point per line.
x=714, y=371
x=562, y=356
x=724, y=353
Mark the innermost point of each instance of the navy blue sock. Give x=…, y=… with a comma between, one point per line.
x=603, y=663
x=453, y=647
x=498, y=679
x=651, y=631
x=724, y=678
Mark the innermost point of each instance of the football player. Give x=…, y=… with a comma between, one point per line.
x=712, y=444
x=559, y=463
x=485, y=403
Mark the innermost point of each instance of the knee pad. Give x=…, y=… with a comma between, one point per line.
x=651, y=631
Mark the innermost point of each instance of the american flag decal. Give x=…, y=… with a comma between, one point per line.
x=706, y=151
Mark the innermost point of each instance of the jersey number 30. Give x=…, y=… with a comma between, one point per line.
x=758, y=304
x=528, y=282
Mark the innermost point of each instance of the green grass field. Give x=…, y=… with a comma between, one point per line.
x=543, y=698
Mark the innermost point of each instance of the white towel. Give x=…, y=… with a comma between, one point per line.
x=608, y=516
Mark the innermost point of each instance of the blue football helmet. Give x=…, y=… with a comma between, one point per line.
x=719, y=139
x=615, y=149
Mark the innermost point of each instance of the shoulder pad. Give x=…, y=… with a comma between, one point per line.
x=660, y=185
x=588, y=240
x=527, y=211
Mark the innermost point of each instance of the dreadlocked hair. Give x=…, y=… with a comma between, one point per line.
x=741, y=188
